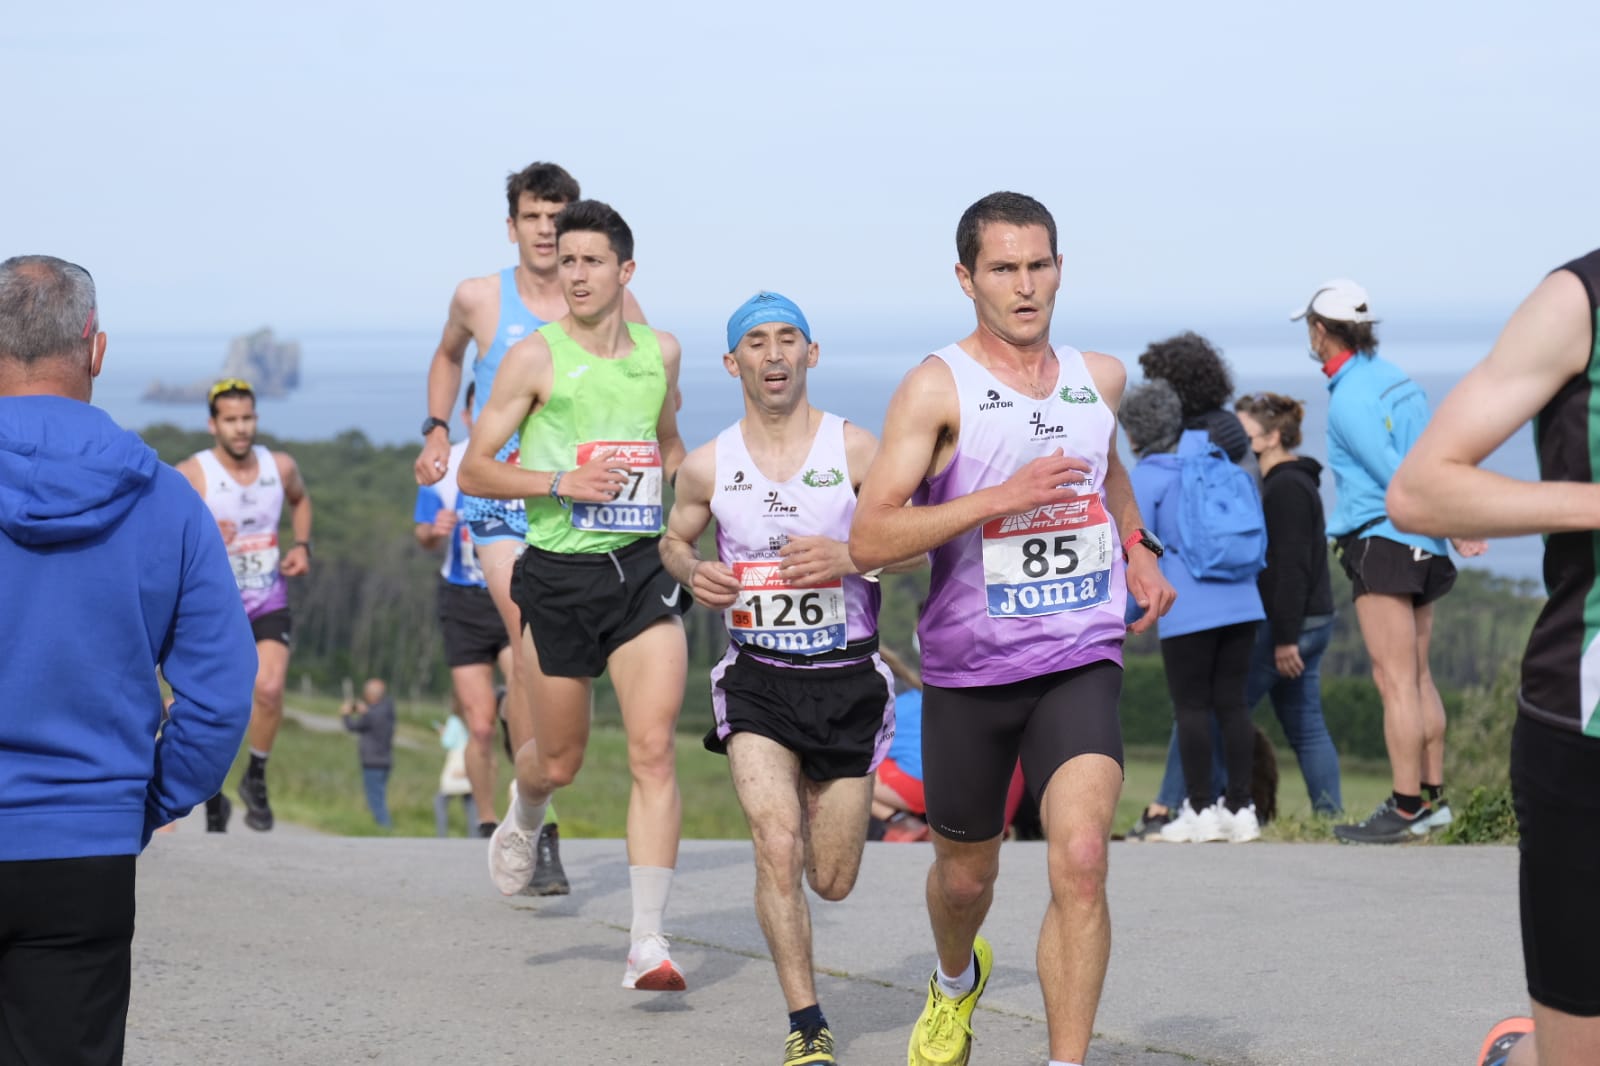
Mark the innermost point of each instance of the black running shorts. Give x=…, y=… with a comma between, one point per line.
x=971, y=738
x=1555, y=785
x=473, y=630
x=838, y=719
x=1389, y=568
x=582, y=607
x=274, y=625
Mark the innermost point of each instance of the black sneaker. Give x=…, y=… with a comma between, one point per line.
x=1386, y=825
x=1148, y=827
x=253, y=794
x=549, y=879
x=486, y=829
x=218, y=811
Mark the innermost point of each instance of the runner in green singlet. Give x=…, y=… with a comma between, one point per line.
x=593, y=396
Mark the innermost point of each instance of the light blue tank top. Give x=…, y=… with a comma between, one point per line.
x=516, y=322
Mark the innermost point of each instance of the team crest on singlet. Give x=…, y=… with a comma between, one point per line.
x=823, y=479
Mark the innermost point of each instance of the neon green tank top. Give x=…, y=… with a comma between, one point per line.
x=598, y=403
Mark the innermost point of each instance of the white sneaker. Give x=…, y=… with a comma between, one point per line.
x=651, y=969
x=1192, y=828
x=510, y=858
x=1244, y=826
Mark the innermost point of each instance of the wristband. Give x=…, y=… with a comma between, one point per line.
x=306, y=544
x=1130, y=540
x=555, y=488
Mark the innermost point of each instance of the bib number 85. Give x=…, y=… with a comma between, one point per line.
x=1035, y=561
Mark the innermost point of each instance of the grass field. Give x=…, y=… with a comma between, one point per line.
x=316, y=782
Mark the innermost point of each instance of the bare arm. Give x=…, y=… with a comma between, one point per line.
x=297, y=560
x=444, y=379
x=1145, y=582
x=427, y=536
x=190, y=469
x=520, y=385
x=1440, y=490
x=667, y=436
x=921, y=413
x=710, y=581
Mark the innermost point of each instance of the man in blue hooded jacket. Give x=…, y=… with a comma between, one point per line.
x=111, y=566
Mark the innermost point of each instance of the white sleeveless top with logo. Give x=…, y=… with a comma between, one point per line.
x=248, y=516
x=1030, y=594
x=757, y=516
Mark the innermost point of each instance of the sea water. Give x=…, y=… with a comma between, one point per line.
x=375, y=382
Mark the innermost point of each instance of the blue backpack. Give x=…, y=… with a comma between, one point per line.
x=1221, y=529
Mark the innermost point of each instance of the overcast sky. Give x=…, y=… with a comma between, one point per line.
x=331, y=166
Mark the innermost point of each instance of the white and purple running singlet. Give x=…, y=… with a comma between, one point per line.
x=755, y=519
x=1030, y=594
x=248, y=517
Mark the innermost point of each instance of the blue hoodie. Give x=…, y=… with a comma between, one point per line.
x=1157, y=482
x=110, y=565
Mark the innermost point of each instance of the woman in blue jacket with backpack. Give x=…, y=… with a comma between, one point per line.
x=1208, y=635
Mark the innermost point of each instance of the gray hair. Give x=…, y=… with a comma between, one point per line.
x=1152, y=415
x=47, y=308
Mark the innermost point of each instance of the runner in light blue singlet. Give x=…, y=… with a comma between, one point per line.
x=492, y=520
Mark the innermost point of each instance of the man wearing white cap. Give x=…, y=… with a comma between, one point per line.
x=804, y=706
x=1375, y=414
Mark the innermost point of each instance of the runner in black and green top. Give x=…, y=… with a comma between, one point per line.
x=1544, y=367
x=594, y=399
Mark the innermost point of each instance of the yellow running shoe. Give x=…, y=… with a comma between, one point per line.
x=943, y=1034
x=809, y=1047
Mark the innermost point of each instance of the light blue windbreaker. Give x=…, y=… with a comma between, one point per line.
x=1375, y=414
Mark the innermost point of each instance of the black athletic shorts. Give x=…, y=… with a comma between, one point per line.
x=582, y=607
x=1555, y=785
x=1389, y=568
x=274, y=625
x=837, y=719
x=473, y=630
x=971, y=738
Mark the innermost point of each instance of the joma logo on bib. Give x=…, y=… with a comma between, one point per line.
x=1048, y=560
x=638, y=508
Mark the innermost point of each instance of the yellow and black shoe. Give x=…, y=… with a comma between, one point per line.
x=809, y=1046
x=943, y=1034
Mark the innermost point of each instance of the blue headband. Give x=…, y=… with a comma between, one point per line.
x=762, y=308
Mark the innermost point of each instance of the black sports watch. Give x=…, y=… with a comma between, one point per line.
x=1148, y=539
x=430, y=424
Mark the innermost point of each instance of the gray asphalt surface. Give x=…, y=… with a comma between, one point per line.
x=289, y=948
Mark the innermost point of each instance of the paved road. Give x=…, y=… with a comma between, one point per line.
x=299, y=948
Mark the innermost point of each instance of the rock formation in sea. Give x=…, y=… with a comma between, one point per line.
x=272, y=368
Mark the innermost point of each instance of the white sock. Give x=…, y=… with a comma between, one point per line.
x=956, y=987
x=1058, y=1062
x=528, y=817
x=651, y=886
